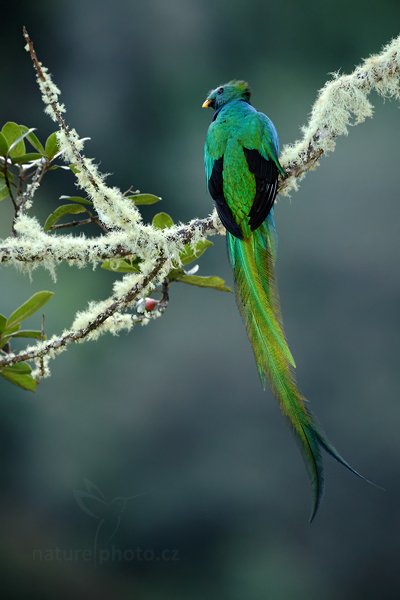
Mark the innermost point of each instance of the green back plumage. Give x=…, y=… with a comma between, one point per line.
x=234, y=183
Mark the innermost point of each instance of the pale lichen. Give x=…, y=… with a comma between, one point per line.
x=342, y=102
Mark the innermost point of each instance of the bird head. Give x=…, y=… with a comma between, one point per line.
x=233, y=90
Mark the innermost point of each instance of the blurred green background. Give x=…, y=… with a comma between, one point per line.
x=174, y=411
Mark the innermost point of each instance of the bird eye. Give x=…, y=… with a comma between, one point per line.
x=220, y=90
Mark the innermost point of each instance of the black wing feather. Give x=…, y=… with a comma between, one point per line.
x=266, y=174
x=216, y=189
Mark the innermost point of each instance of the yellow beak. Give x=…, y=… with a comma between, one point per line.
x=206, y=104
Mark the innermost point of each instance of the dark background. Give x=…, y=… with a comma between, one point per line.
x=174, y=411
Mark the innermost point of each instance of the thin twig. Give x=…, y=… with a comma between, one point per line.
x=77, y=223
x=42, y=369
x=8, y=183
x=74, y=223
x=38, y=175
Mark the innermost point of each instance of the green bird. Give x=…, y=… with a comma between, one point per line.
x=242, y=170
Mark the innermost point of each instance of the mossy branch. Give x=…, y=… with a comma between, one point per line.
x=342, y=102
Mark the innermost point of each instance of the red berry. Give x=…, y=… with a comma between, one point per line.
x=150, y=304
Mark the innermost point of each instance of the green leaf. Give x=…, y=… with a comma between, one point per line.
x=51, y=148
x=12, y=132
x=8, y=333
x=65, y=209
x=3, y=145
x=33, y=140
x=74, y=169
x=29, y=307
x=16, y=144
x=162, y=220
x=3, y=192
x=144, y=199
x=27, y=333
x=77, y=199
x=25, y=158
x=209, y=282
x=20, y=374
x=10, y=329
x=189, y=254
x=121, y=265
x=26, y=382
x=3, y=321
x=22, y=368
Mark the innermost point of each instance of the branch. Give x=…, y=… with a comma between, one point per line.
x=113, y=208
x=35, y=247
x=90, y=327
x=340, y=103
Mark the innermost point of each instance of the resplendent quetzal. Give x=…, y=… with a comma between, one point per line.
x=242, y=169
